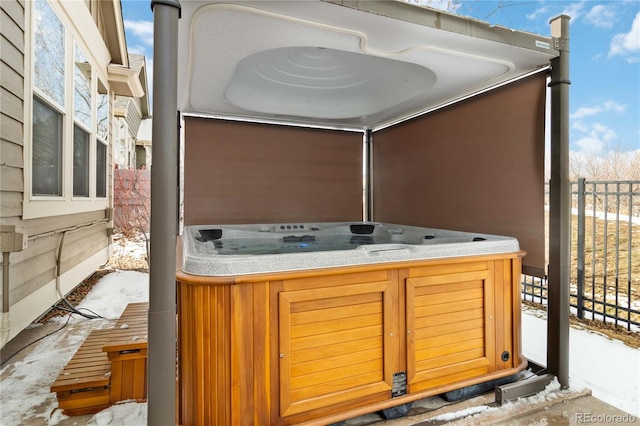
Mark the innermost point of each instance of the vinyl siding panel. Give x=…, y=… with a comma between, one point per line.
x=12, y=131
x=11, y=80
x=13, y=31
x=11, y=179
x=14, y=9
x=11, y=204
x=133, y=117
x=11, y=109
x=36, y=266
x=11, y=55
x=11, y=153
x=12, y=105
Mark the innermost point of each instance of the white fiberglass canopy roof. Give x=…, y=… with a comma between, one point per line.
x=326, y=64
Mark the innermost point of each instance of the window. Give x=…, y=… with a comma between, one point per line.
x=47, y=150
x=82, y=98
x=70, y=104
x=101, y=169
x=49, y=52
x=80, y=162
x=48, y=78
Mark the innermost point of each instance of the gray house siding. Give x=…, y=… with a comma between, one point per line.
x=84, y=238
x=11, y=108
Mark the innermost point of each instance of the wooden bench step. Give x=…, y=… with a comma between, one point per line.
x=109, y=367
x=82, y=387
x=126, y=348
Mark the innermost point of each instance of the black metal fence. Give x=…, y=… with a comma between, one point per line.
x=605, y=254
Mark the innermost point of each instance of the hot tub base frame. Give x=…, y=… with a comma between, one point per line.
x=321, y=346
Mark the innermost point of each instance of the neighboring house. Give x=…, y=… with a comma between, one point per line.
x=132, y=152
x=143, y=144
x=62, y=65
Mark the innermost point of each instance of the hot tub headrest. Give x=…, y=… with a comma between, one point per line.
x=362, y=228
x=209, y=235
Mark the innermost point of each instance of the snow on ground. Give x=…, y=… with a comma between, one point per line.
x=609, y=368
x=24, y=387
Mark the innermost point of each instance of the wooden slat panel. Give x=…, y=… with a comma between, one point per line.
x=116, y=382
x=436, y=320
x=446, y=268
x=70, y=399
x=450, y=338
x=98, y=398
x=516, y=301
x=334, y=325
x=448, y=349
x=241, y=352
x=336, y=350
x=454, y=296
x=337, y=338
x=88, y=367
x=337, y=292
x=452, y=369
x=336, y=302
x=205, y=358
x=489, y=319
x=340, y=374
x=351, y=383
x=337, y=401
x=324, y=281
x=447, y=288
x=447, y=360
x=445, y=308
x=429, y=383
x=329, y=353
x=499, y=296
x=459, y=277
x=328, y=363
x=339, y=312
x=261, y=349
x=424, y=333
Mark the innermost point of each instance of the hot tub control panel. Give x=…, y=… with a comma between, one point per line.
x=288, y=227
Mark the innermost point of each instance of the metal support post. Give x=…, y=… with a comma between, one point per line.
x=559, y=208
x=161, y=366
x=581, y=246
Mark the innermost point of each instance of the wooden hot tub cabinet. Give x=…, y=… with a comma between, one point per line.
x=320, y=346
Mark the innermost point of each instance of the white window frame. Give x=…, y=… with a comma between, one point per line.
x=79, y=28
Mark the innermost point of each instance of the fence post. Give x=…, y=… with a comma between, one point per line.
x=581, y=247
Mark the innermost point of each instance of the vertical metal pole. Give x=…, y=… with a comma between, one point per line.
x=367, y=203
x=559, y=208
x=580, y=246
x=161, y=366
x=630, y=258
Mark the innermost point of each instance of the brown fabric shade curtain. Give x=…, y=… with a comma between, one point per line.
x=237, y=172
x=474, y=166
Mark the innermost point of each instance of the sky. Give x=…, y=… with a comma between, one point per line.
x=604, y=60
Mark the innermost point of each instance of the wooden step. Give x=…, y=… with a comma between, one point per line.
x=82, y=387
x=126, y=349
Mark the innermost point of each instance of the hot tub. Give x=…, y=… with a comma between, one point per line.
x=224, y=250
x=318, y=322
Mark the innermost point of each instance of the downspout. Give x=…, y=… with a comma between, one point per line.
x=559, y=208
x=6, y=323
x=161, y=366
